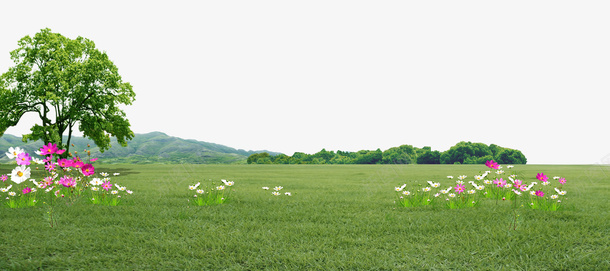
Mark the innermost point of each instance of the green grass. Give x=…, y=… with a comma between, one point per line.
x=338, y=217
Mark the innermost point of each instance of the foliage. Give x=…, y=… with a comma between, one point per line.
x=462, y=153
x=66, y=82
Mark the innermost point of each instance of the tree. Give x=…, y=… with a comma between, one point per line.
x=510, y=156
x=67, y=82
x=405, y=154
x=429, y=157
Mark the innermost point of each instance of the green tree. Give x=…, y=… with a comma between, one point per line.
x=404, y=154
x=67, y=82
x=429, y=157
x=510, y=156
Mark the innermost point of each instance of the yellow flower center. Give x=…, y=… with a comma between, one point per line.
x=20, y=174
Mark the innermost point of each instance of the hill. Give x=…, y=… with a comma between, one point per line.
x=155, y=147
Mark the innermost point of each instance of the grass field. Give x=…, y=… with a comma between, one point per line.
x=338, y=218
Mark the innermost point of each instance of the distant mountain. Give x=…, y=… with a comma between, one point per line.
x=155, y=147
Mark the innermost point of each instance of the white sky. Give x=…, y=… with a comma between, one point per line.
x=293, y=76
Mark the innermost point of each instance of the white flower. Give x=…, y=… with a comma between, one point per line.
x=510, y=166
x=104, y=174
x=546, y=183
x=406, y=193
x=95, y=188
x=121, y=188
x=554, y=196
x=471, y=192
x=556, y=178
x=517, y=192
x=275, y=193
x=533, y=193
x=37, y=161
x=459, y=182
x=228, y=183
x=116, y=174
x=96, y=181
x=13, y=152
x=193, y=187
x=398, y=189
x=480, y=187
x=287, y=194
x=563, y=193
x=450, y=177
x=499, y=167
x=114, y=192
x=199, y=191
x=12, y=194
x=265, y=188
x=222, y=187
x=500, y=172
x=508, y=185
x=487, y=182
x=462, y=177
x=6, y=189
x=129, y=192
x=452, y=195
x=478, y=177
x=436, y=195
x=277, y=188
x=426, y=189
x=20, y=174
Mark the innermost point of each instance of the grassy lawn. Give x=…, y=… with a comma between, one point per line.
x=338, y=217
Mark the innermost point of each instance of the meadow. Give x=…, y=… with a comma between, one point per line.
x=339, y=217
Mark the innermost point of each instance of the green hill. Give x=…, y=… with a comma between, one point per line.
x=155, y=147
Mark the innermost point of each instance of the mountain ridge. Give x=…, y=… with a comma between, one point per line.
x=153, y=147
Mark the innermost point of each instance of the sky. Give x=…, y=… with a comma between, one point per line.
x=300, y=76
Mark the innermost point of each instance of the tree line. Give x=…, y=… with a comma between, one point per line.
x=461, y=153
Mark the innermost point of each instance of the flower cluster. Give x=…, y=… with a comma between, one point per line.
x=62, y=177
x=212, y=195
x=105, y=193
x=493, y=185
x=276, y=191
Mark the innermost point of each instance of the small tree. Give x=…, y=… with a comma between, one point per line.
x=66, y=82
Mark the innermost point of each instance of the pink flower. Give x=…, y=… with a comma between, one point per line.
x=459, y=188
x=67, y=181
x=64, y=163
x=60, y=152
x=49, y=166
x=27, y=190
x=88, y=170
x=540, y=193
x=4, y=178
x=541, y=177
x=492, y=164
x=519, y=185
x=500, y=182
x=48, y=159
x=93, y=159
x=77, y=163
x=562, y=180
x=48, y=149
x=107, y=185
x=23, y=159
x=48, y=181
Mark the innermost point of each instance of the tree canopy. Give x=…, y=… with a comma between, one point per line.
x=462, y=153
x=67, y=82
